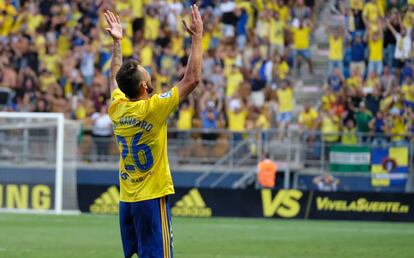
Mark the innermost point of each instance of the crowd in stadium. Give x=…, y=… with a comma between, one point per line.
x=55, y=57
x=370, y=87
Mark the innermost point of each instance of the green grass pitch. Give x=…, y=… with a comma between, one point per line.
x=93, y=236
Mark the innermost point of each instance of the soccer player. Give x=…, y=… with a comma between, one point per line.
x=140, y=127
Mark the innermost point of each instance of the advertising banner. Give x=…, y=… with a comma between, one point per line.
x=362, y=206
x=193, y=202
x=37, y=197
x=285, y=203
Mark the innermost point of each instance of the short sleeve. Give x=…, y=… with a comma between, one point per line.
x=164, y=104
x=117, y=94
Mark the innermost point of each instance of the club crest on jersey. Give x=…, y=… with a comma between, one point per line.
x=166, y=95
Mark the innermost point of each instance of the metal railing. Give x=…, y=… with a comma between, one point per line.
x=209, y=151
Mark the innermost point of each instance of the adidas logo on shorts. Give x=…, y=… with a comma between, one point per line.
x=107, y=203
x=191, y=205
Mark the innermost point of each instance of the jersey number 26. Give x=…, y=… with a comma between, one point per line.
x=136, y=148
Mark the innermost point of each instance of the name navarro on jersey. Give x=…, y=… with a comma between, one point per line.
x=128, y=120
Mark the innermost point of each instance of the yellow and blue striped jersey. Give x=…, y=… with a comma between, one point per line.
x=140, y=128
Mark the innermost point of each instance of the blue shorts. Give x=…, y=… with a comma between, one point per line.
x=146, y=228
x=284, y=117
x=305, y=53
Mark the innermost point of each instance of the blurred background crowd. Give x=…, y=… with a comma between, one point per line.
x=370, y=87
x=55, y=57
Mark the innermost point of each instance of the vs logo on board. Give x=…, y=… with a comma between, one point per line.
x=284, y=204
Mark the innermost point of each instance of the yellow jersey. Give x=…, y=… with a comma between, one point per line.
x=140, y=128
x=408, y=92
x=308, y=119
x=263, y=122
x=330, y=129
x=375, y=50
x=336, y=52
x=276, y=32
x=282, y=70
x=233, y=83
x=372, y=11
x=185, y=119
x=285, y=100
x=237, y=121
x=301, y=38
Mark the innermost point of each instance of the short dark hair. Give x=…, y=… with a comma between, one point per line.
x=128, y=78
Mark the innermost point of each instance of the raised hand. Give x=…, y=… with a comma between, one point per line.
x=115, y=27
x=196, y=26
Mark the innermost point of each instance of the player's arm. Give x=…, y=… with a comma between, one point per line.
x=192, y=74
x=115, y=30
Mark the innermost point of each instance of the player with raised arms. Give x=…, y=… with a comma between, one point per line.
x=140, y=126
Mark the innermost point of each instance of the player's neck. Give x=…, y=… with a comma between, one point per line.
x=142, y=97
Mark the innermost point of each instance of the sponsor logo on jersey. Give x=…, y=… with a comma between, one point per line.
x=166, y=95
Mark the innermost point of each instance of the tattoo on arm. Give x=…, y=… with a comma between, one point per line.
x=115, y=64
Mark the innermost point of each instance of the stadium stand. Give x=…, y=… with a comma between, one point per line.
x=55, y=57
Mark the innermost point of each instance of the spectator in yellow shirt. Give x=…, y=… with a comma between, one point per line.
x=375, y=46
x=263, y=122
x=349, y=133
x=354, y=83
x=372, y=12
x=285, y=104
x=184, y=124
x=308, y=118
x=336, y=48
x=276, y=35
x=397, y=126
x=301, y=43
x=234, y=78
x=328, y=99
x=146, y=54
x=330, y=127
x=152, y=24
x=276, y=70
x=237, y=116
